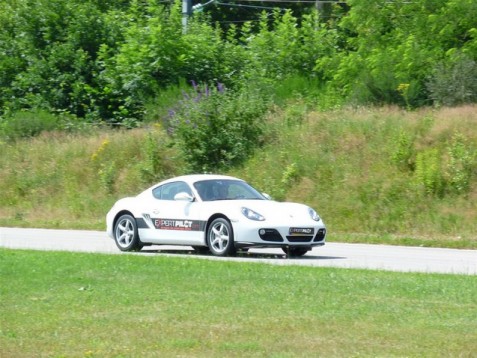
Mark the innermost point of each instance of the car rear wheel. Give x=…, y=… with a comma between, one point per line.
x=126, y=235
x=220, y=238
x=295, y=251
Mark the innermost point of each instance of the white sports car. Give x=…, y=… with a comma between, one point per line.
x=214, y=212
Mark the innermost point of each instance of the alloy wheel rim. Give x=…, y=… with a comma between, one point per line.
x=125, y=233
x=219, y=237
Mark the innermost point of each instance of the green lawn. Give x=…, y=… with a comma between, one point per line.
x=94, y=305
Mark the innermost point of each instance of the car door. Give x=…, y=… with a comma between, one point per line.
x=173, y=220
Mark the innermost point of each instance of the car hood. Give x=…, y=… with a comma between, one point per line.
x=268, y=208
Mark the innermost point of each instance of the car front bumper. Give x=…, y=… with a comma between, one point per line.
x=268, y=234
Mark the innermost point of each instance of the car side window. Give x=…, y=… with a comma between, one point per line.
x=156, y=192
x=168, y=191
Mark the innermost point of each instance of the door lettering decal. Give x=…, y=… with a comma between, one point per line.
x=180, y=225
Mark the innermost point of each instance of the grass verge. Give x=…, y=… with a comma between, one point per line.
x=93, y=305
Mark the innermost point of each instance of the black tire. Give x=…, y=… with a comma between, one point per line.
x=294, y=251
x=220, y=238
x=126, y=235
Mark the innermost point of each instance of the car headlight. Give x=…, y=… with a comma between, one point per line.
x=252, y=215
x=313, y=214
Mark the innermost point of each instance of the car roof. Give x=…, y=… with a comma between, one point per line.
x=192, y=178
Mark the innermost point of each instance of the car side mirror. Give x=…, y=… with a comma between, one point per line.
x=183, y=196
x=268, y=197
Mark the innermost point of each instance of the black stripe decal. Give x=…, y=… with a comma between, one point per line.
x=141, y=223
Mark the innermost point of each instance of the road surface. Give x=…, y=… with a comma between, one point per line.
x=360, y=256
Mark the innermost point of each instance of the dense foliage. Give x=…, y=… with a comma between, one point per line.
x=101, y=61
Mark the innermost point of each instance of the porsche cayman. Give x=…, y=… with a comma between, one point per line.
x=215, y=213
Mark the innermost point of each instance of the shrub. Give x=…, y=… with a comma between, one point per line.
x=454, y=83
x=26, y=124
x=217, y=129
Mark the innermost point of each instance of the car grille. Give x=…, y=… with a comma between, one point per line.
x=270, y=235
x=299, y=238
x=320, y=235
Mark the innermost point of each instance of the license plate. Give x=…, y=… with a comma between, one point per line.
x=302, y=231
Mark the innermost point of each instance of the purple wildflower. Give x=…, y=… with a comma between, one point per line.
x=198, y=97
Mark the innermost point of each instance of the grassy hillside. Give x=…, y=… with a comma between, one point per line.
x=378, y=171
x=375, y=175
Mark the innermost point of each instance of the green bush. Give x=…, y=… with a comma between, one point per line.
x=28, y=124
x=454, y=83
x=216, y=129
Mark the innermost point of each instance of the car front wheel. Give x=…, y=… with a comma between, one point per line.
x=126, y=235
x=220, y=238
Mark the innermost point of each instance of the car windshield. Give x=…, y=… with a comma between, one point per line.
x=226, y=189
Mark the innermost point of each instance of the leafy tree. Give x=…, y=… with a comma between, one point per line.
x=53, y=47
x=399, y=42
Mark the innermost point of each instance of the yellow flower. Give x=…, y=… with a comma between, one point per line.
x=101, y=149
x=403, y=87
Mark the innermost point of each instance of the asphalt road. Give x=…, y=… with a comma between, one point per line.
x=359, y=256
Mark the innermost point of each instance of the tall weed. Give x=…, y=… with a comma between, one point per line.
x=151, y=167
x=462, y=165
x=428, y=173
x=403, y=150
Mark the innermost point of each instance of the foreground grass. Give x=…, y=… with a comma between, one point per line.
x=92, y=305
